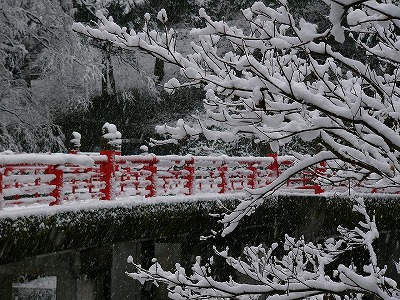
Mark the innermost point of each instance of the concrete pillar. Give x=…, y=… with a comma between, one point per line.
x=70, y=287
x=6, y=286
x=86, y=289
x=167, y=254
x=67, y=287
x=122, y=286
x=71, y=283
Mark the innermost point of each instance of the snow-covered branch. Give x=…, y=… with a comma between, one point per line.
x=283, y=78
x=302, y=271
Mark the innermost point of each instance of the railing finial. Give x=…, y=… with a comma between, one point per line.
x=144, y=149
x=75, y=142
x=111, y=138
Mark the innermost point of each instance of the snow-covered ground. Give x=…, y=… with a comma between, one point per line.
x=43, y=288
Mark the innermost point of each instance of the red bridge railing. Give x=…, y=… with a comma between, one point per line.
x=59, y=178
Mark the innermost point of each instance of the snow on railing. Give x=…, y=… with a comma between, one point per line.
x=59, y=178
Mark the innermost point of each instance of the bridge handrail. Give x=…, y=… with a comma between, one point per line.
x=220, y=158
x=45, y=159
x=57, y=178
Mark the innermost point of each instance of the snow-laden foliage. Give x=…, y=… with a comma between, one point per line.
x=42, y=64
x=335, y=85
x=285, y=77
x=303, y=270
x=105, y=5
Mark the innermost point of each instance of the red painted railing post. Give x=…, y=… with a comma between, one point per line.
x=16, y=185
x=152, y=168
x=320, y=171
x=253, y=175
x=318, y=189
x=58, y=183
x=107, y=175
x=189, y=168
x=37, y=182
x=110, y=144
x=274, y=167
x=222, y=169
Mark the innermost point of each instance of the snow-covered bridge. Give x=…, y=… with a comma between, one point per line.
x=86, y=246
x=54, y=179
x=53, y=221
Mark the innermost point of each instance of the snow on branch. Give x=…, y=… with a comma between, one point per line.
x=247, y=206
x=303, y=270
x=283, y=78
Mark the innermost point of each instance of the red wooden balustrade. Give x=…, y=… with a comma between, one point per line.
x=59, y=178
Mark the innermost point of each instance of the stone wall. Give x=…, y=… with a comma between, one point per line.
x=87, y=249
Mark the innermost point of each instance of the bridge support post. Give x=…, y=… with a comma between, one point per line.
x=125, y=288
x=67, y=288
x=122, y=286
x=70, y=287
x=167, y=254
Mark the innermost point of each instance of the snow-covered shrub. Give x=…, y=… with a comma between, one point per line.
x=33, y=138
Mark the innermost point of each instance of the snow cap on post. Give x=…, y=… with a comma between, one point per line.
x=144, y=149
x=75, y=142
x=111, y=139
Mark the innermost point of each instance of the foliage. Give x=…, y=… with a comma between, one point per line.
x=303, y=270
x=40, y=59
x=47, y=71
x=136, y=112
x=31, y=138
x=286, y=78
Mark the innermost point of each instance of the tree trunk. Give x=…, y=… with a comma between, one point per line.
x=108, y=86
x=111, y=77
x=104, y=74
